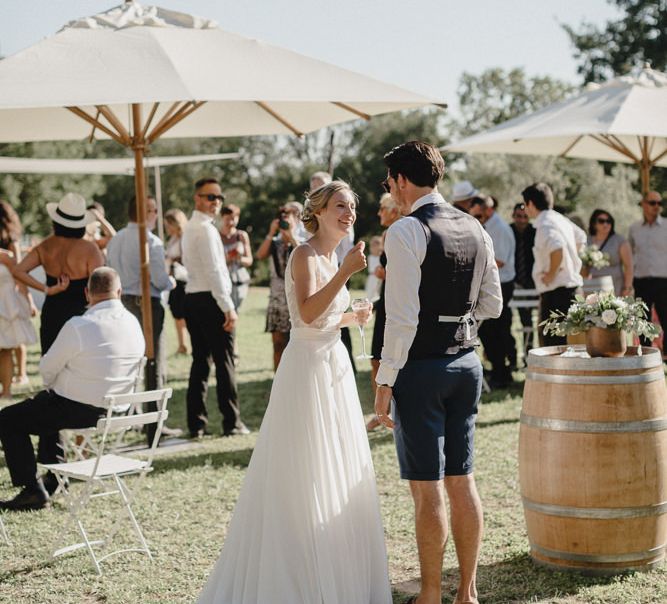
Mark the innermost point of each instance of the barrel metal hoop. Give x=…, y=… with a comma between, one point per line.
x=548, y=358
x=599, y=558
x=644, y=511
x=552, y=378
x=566, y=425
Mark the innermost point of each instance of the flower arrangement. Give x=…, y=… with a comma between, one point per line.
x=592, y=257
x=604, y=310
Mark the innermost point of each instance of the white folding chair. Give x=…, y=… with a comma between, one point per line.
x=103, y=473
x=3, y=532
x=526, y=298
x=79, y=444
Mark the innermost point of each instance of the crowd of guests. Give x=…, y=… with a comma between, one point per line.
x=202, y=272
x=545, y=256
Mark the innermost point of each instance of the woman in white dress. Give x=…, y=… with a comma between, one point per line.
x=307, y=526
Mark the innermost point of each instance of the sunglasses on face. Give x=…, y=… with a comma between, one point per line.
x=211, y=197
x=603, y=221
x=652, y=203
x=385, y=185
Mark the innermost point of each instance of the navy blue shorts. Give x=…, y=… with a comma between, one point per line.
x=435, y=407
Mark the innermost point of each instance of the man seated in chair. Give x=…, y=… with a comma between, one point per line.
x=94, y=355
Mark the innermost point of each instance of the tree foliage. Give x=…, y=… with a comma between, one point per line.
x=497, y=95
x=639, y=35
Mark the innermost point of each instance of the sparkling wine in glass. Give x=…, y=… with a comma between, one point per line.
x=361, y=306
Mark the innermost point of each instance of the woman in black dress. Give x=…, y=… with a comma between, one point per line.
x=68, y=259
x=388, y=214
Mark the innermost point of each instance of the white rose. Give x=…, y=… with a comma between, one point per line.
x=609, y=316
x=592, y=299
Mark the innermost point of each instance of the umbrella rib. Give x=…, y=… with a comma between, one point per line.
x=166, y=116
x=91, y=136
x=571, y=146
x=351, y=109
x=622, y=145
x=655, y=160
x=149, y=120
x=115, y=122
x=181, y=114
x=96, y=123
x=603, y=139
x=278, y=117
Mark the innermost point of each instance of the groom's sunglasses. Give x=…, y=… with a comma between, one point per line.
x=385, y=185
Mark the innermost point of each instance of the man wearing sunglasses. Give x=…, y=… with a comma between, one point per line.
x=648, y=240
x=210, y=315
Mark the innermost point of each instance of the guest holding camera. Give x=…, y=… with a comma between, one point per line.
x=278, y=244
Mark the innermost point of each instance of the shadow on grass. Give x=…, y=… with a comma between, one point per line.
x=514, y=580
x=239, y=458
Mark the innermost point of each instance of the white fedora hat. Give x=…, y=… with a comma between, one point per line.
x=70, y=211
x=463, y=190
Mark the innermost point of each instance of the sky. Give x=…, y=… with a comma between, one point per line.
x=421, y=45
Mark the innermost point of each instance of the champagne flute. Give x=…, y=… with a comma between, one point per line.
x=360, y=307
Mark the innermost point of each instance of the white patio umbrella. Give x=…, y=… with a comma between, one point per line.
x=99, y=76
x=110, y=165
x=623, y=120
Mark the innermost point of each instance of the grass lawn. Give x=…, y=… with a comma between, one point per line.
x=186, y=503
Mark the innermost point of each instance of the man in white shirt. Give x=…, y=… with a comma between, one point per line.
x=496, y=334
x=648, y=240
x=441, y=279
x=558, y=241
x=94, y=355
x=210, y=315
x=123, y=256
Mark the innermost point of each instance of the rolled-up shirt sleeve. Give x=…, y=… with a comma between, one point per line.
x=215, y=267
x=490, y=299
x=405, y=247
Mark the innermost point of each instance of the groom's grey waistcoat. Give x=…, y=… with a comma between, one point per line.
x=453, y=241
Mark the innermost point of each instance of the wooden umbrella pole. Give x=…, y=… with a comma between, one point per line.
x=138, y=147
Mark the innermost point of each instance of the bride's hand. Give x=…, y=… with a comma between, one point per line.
x=361, y=317
x=355, y=260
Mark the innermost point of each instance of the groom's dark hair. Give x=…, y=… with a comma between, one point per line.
x=417, y=161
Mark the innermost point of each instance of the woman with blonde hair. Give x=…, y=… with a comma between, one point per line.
x=307, y=524
x=174, y=223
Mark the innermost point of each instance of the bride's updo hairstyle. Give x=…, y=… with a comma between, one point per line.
x=318, y=199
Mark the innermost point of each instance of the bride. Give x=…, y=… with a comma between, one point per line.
x=307, y=527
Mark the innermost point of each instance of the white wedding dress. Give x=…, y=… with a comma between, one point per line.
x=307, y=526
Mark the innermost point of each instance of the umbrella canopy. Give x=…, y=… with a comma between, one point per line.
x=623, y=120
x=173, y=64
x=135, y=74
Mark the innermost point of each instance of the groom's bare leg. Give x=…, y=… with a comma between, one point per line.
x=431, y=529
x=467, y=527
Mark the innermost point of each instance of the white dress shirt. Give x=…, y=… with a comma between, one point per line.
x=557, y=232
x=504, y=246
x=95, y=355
x=405, y=246
x=649, y=248
x=123, y=256
x=204, y=259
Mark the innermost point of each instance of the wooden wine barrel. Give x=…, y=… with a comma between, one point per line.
x=593, y=460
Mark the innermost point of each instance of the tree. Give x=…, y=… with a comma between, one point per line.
x=496, y=96
x=639, y=35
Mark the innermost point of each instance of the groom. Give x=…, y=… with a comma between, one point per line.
x=441, y=279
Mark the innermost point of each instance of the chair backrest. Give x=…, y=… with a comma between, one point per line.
x=525, y=298
x=111, y=424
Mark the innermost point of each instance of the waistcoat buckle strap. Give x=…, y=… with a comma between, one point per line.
x=466, y=320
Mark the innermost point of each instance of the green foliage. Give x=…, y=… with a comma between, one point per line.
x=579, y=185
x=604, y=310
x=496, y=95
x=639, y=35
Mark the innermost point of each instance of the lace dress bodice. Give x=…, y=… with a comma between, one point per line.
x=331, y=317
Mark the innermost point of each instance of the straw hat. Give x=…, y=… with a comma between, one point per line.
x=70, y=211
x=463, y=190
